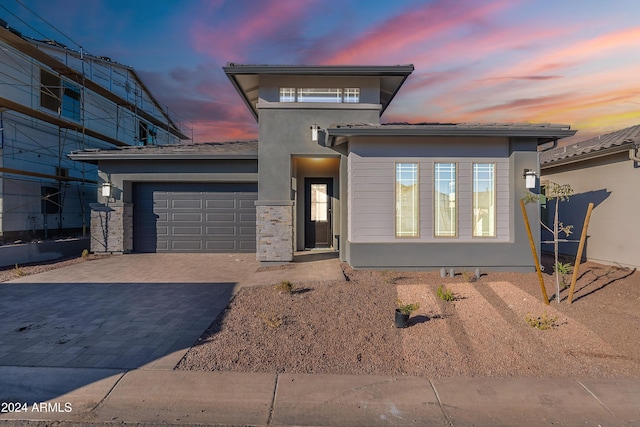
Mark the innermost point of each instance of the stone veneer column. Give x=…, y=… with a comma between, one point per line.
x=111, y=228
x=274, y=231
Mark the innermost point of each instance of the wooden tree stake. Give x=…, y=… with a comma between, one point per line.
x=535, y=253
x=583, y=238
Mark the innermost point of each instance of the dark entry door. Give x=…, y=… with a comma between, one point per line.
x=317, y=212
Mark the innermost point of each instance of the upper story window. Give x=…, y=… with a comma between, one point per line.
x=146, y=134
x=60, y=96
x=333, y=95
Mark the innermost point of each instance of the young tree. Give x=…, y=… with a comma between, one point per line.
x=558, y=193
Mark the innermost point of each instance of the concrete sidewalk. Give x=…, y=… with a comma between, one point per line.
x=109, y=397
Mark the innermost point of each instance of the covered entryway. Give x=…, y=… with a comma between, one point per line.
x=194, y=217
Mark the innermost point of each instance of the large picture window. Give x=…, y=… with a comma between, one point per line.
x=484, y=200
x=407, y=200
x=445, y=201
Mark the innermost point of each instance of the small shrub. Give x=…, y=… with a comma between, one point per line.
x=284, y=287
x=19, y=272
x=445, y=294
x=85, y=253
x=407, y=308
x=565, y=269
x=543, y=322
x=468, y=276
x=273, y=321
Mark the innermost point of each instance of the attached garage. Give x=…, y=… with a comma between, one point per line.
x=175, y=198
x=184, y=217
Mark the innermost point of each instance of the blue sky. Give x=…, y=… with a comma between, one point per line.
x=570, y=61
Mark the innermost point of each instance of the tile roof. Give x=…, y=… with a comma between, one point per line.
x=590, y=147
x=193, y=150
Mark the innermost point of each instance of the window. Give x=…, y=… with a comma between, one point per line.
x=287, y=94
x=407, y=201
x=146, y=134
x=445, y=203
x=484, y=200
x=50, y=200
x=352, y=94
x=319, y=202
x=62, y=97
x=50, y=91
x=319, y=95
x=70, y=101
x=332, y=95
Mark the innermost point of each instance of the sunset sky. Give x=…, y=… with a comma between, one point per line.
x=571, y=61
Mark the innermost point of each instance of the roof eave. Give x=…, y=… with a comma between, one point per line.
x=588, y=156
x=543, y=135
x=95, y=157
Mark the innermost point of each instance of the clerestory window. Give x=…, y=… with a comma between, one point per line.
x=331, y=95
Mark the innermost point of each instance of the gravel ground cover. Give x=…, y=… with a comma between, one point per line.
x=348, y=327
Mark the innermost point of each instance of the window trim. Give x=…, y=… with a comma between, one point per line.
x=457, y=204
x=395, y=204
x=495, y=200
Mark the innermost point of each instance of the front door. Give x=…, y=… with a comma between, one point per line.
x=317, y=212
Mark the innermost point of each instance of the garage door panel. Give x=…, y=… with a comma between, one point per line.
x=186, y=217
x=186, y=245
x=221, y=231
x=186, y=204
x=221, y=217
x=247, y=217
x=220, y=204
x=182, y=217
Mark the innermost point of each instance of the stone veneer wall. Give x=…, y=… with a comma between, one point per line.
x=274, y=233
x=111, y=228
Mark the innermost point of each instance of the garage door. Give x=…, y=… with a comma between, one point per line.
x=181, y=217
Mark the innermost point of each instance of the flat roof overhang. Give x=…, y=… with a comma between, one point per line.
x=245, y=78
x=340, y=134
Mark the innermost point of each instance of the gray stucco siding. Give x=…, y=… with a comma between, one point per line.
x=611, y=183
x=285, y=134
x=408, y=255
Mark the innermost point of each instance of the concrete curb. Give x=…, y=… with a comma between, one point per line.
x=107, y=397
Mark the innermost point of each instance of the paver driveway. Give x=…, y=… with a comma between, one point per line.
x=121, y=312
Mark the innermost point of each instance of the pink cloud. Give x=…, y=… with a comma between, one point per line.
x=246, y=27
x=414, y=28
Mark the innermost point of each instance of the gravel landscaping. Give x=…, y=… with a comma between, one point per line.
x=348, y=327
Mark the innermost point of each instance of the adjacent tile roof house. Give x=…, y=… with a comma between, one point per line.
x=325, y=173
x=604, y=170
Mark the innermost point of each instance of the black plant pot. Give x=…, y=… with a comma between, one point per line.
x=402, y=320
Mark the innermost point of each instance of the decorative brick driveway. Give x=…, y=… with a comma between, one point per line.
x=122, y=312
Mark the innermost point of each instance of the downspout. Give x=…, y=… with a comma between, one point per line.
x=1, y=132
x=633, y=155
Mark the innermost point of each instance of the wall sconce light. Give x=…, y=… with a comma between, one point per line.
x=106, y=189
x=529, y=178
x=314, y=133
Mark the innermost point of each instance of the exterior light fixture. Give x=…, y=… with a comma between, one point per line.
x=530, y=178
x=106, y=189
x=314, y=133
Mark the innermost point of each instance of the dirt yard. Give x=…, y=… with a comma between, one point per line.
x=348, y=327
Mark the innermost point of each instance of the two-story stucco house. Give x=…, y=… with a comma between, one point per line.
x=325, y=173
